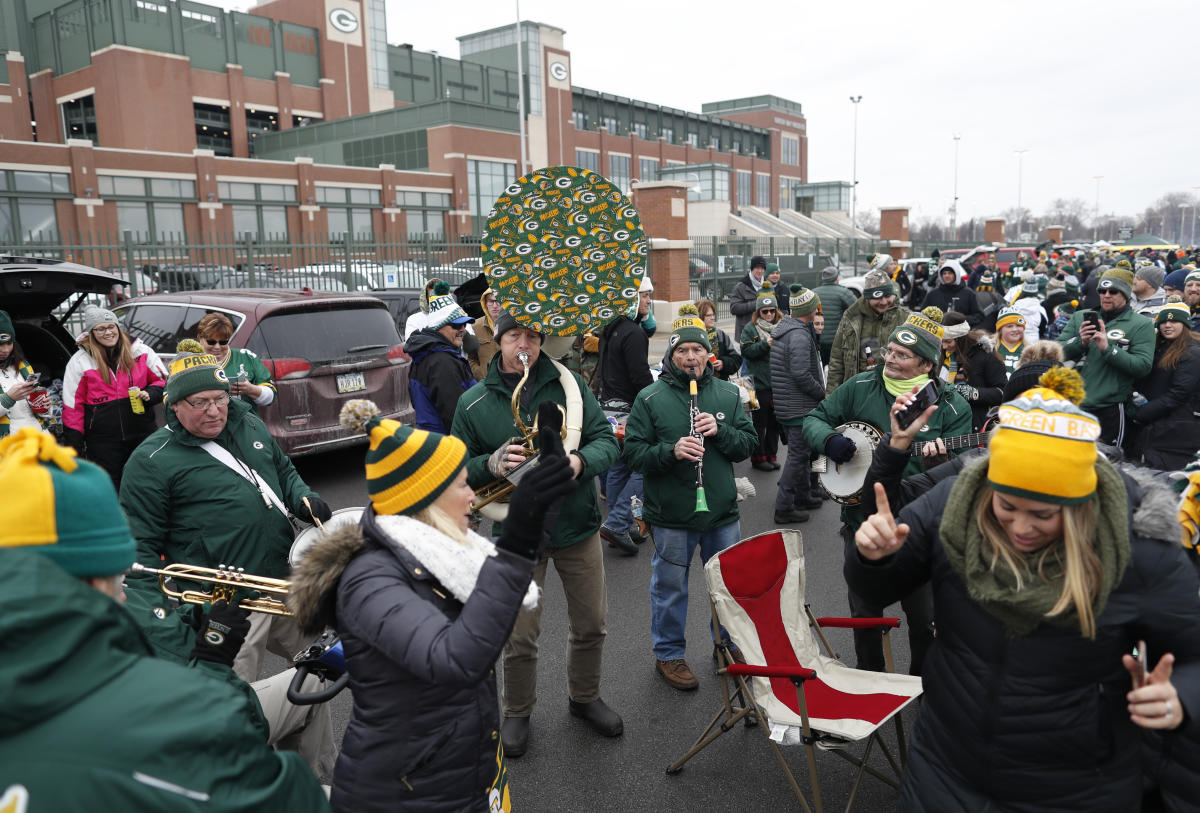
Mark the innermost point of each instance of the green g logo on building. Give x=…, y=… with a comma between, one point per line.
x=344, y=20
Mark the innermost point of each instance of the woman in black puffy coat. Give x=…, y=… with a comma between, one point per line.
x=972, y=368
x=1043, y=585
x=423, y=606
x=1170, y=418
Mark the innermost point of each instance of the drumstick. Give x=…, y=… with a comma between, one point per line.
x=316, y=521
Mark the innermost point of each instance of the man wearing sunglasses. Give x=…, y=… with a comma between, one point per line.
x=249, y=378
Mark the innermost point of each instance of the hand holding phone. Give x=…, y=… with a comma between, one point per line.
x=921, y=402
x=1142, y=666
x=34, y=378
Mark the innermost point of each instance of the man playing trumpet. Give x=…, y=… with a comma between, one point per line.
x=484, y=421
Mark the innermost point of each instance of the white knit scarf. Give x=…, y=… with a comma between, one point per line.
x=455, y=564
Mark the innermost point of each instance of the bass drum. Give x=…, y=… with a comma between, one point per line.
x=309, y=536
x=844, y=482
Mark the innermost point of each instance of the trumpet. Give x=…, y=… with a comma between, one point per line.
x=225, y=584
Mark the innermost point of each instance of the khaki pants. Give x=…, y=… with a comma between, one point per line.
x=580, y=567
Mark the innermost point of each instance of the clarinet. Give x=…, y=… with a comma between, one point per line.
x=694, y=413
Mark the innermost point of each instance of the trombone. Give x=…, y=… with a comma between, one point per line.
x=225, y=582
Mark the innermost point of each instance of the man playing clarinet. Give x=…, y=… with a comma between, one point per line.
x=685, y=448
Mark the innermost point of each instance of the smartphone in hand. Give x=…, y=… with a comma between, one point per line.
x=1139, y=678
x=34, y=379
x=921, y=401
x=1092, y=318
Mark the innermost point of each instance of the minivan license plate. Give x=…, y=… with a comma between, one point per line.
x=351, y=382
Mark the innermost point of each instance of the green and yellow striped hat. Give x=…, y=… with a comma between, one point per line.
x=407, y=469
x=62, y=508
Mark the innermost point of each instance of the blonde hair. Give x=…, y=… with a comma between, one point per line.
x=1081, y=566
x=440, y=521
x=99, y=354
x=1041, y=351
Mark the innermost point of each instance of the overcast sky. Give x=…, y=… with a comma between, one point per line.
x=1088, y=88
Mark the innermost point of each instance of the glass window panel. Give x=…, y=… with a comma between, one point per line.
x=245, y=220
x=168, y=219
x=32, y=182
x=37, y=216
x=331, y=194
x=361, y=222
x=223, y=190
x=187, y=189
x=241, y=191
x=6, y=220
x=3, y=180
x=106, y=186
x=157, y=325
x=439, y=200
x=273, y=191
x=129, y=186
x=364, y=196
x=134, y=217
x=274, y=222
x=411, y=199
x=60, y=182
x=338, y=222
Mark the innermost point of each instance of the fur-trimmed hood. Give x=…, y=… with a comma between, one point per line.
x=313, y=592
x=1156, y=505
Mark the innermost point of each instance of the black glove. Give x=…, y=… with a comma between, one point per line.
x=840, y=448
x=318, y=508
x=74, y=439
x=221, y=634
x=539, y=491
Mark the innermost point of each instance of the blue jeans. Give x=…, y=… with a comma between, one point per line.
x=622, y=483
x=673, y=549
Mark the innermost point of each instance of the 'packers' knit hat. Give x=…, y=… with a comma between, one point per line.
x=406, y=468
x=1174, y=311
x=1009, y=316
x=6, y=328
x=62, y=508
x=920, y=335
x=1045, y=426
x=803, y=301
x=765, y=299
x=194, y=371
x=1118, y=280
x=690, y=328
x=877, y=284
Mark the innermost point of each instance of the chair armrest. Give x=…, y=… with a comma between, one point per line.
x=792, y=672
x=859, y=623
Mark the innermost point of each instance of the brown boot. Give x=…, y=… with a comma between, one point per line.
x=678, y=674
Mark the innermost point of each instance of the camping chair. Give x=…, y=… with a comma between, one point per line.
x=801, y=695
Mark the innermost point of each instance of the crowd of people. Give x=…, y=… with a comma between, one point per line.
x=1012, y=499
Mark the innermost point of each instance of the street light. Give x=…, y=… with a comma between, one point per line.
x=954, y=205
x=1096, y=222
x=1020, y=167
x=854, y=100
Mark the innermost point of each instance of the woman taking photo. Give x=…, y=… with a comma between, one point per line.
x=424, y=606
x=249, y=378
x=729, y=361
x=1170, y=432
x=109, y=387
x=756, y=349
x=17, y=382
x=971, y=367
x=1043, y=586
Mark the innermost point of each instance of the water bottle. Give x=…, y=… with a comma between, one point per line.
x=635, y=504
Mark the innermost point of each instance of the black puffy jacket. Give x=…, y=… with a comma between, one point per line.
x=1171, y=417
x=624, y=365
x=1037, y=722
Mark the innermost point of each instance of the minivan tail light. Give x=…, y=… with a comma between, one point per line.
x=397, y=355
x=287, y=368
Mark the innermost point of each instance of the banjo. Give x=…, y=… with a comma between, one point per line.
x=843, y=482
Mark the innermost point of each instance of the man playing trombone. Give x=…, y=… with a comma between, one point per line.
x=670, y=434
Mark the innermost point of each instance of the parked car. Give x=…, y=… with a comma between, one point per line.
x=802, y=268
x=401, y=303
x=322, y=349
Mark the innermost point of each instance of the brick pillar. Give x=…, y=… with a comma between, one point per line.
x=45, y=109
x=15, y=123
x=239, y=138
x=1054, y=234
x=663, y=209
x=213, y=221
x=283, y=99
x=993, y=231
x=893, y=227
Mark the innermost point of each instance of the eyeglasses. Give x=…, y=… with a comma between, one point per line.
x=221, y=342
x=105, y=330
x=766, y=311
x=898, y=355
x=204, y=406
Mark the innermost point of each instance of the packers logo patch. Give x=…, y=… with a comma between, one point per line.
x=674, y=339
x=1116, y=334
x=219, y=374
x=258, y=444
x=160, y=613
x=720, y=416
x=214, y=637
x=906, y=337
x=878, y=294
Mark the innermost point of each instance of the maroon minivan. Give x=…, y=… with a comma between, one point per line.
x=322, y=349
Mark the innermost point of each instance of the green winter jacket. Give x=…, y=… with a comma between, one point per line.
x=661, y=415
x=185, y=505
x=835, y=301
x=863, y=398
x=860, y=328
x=484, y=421
x=757, y=354
x=1109, y=376
x=244, y=362
x=92, y=721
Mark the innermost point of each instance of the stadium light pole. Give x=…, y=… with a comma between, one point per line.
x=854, y=100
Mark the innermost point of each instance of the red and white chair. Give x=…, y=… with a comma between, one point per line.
x=802, y=694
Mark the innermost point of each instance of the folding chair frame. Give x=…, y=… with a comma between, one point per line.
x=735, y=709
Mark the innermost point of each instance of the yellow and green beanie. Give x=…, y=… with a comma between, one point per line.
x=1175, y=311
x=689, y=327
x=1118, y=279
x=765, y=298
x=1009, y=316
x=406, y=468
x=920, y=335
x=802, y=301
x=1045, y=446
x=194, y=371
x=63, y=508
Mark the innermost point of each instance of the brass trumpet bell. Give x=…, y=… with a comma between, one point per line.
x=224, y=584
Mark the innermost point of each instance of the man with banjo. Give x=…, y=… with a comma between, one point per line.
x=859, y=408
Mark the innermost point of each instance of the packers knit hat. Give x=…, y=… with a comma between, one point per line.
x=1009, y=316
x=6, y=328
x=1045, y=446
x=1125, y=264
x=690, y=328
x=802, y=301
x=920, y=335
x=444, y=308
x=506, y=322
x=934, y=312
x=765, y=298
x=877, y=285
x=406, y=468
x=63, y=508
x=880, y=261
x=1118, y=280
x=1174, y=311
x=1193, y=276
x=94, y=315
x=194, y=371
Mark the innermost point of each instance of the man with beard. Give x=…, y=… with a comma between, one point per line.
x=1112, y=349
x=864, y=327
x=1191, y=296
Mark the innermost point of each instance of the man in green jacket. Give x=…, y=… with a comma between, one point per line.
x=92, y=720
x=864, y=330
x=484, y=421
x=212, y=487
x=670, y=446
x=911, y=358
x=835, y=300
x=1110, y=353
